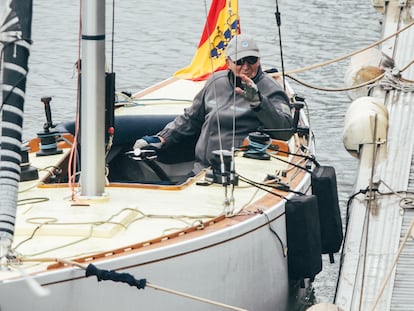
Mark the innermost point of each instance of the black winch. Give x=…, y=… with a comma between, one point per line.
x=48, y=138
x=221, y=171
x=258, y=144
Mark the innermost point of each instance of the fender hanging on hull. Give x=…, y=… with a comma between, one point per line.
x=325, y=188
x=303, y=237
x=359, y=127
x=366, y=67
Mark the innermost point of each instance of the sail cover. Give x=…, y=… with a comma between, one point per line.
x=15, y=32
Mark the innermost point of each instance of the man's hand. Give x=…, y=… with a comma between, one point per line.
x=249, y=91
x=154, y=142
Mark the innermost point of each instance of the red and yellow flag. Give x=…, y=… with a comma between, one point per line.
x=221, y=25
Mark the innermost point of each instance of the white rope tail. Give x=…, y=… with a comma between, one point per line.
x=14, y=56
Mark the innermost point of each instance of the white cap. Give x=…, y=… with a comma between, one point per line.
x=241, y=46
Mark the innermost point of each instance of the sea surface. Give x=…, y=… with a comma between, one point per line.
x=153, y=39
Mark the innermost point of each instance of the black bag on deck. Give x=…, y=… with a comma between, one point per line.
x=303, y=237
x=325, y=188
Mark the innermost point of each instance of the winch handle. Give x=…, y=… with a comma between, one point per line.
x=49, y=124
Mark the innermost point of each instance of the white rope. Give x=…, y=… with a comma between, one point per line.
x=219, y=304
x=392, y=81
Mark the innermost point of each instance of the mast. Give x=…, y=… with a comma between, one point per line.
x=15, y=34
x=93, y=99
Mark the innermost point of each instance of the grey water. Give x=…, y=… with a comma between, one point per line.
x=152, y=39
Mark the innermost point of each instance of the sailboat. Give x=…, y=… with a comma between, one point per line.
x=100, y=227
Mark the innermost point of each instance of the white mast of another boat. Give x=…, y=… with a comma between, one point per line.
x=93, y=99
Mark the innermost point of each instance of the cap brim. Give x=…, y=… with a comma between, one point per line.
x=243, y=54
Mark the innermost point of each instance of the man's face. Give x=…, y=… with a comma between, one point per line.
x=245, y=66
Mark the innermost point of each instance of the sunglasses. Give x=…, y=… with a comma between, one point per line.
x=249, y=59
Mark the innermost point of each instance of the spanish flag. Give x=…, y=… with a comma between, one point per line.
x=221, y=25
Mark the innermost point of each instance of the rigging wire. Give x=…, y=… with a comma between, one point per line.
x=279, y=24
x=72, y=163
x=209, y=32
x=279, y=186
x=262, y=147
x=212, y=71
x=228, y=200
x=261, y=187
x=232, y=163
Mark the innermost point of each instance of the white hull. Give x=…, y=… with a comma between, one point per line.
x=238, y=261
x=242, y=266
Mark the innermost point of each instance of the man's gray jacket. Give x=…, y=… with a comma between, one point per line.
x=218, y=114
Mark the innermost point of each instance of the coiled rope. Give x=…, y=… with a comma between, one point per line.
x=257, y=148
x=392, y=81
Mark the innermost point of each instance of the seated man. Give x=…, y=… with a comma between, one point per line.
x=232, y=104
